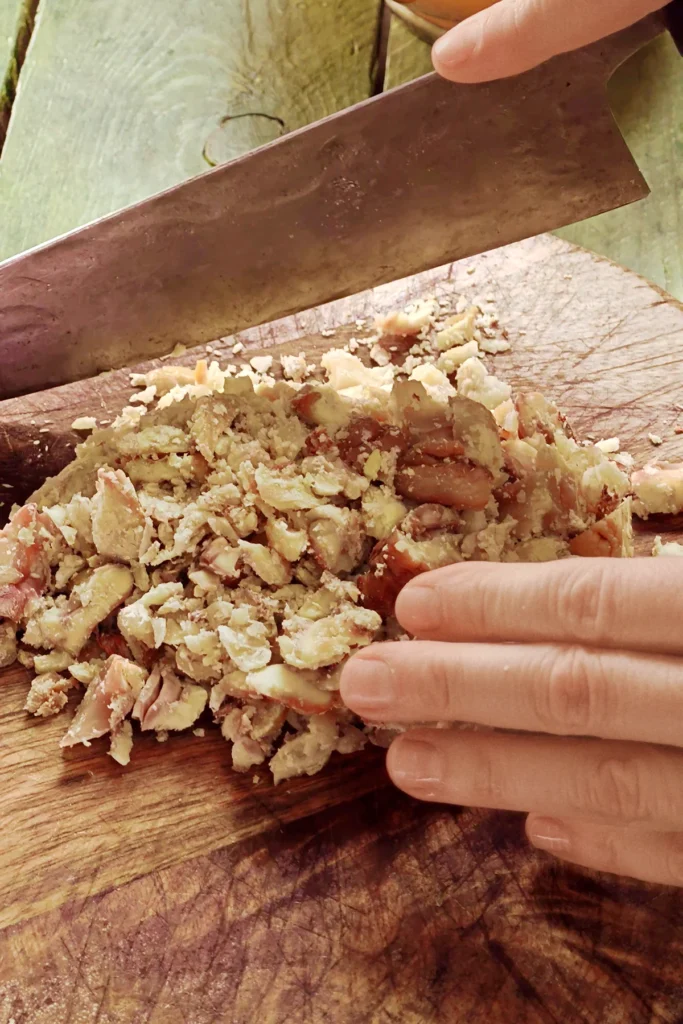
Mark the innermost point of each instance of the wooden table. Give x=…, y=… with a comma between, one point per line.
x=118, y=100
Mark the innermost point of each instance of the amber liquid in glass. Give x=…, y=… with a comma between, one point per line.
x=442, y=14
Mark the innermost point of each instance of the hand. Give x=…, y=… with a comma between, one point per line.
x=515, y=35
x=557, y=652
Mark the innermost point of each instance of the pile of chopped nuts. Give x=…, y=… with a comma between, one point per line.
x=231, y=539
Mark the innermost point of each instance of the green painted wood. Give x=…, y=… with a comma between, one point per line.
x=647, y=99
x=119, y=100
x=407, y=56
x=15, y=19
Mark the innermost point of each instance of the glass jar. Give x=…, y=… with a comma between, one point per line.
x=431, y=18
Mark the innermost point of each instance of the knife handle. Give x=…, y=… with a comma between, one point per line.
x=673, y=16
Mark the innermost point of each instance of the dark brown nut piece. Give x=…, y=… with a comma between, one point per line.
x=456, y=484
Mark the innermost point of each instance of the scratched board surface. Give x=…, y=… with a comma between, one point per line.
x=173, y=891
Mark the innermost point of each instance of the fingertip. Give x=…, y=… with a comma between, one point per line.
x=366, y=685
x=418, y=607
x=506, y=39
x=416, y=764
x=451, y=52
x=550, y=834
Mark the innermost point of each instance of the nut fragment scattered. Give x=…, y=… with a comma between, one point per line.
x=228, y=543
x=658, y=489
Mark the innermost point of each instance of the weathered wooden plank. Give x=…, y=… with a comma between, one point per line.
x=16, y=17
x=118, y=101
x=647, y=98
x=407, y=56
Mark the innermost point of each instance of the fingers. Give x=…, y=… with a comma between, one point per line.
x=615, y=783
x=515, y=35
x=560, y=690
x=634, y=603
x=649, y=856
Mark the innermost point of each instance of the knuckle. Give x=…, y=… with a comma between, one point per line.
x=609, y=854
x=444, y=685
x=617, y=790
x=587, y=600
x=485, y=24
x=486, y=785
x=485, y=607
x=568, y=696
x=527, y=29
x=665, y=769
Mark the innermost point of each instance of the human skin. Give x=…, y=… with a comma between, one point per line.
x=557, y=652
x=515, y=35
x=598, y=644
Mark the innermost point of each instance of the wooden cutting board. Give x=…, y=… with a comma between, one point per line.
x=174, y=891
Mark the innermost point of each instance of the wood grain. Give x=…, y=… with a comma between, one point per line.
x=16, y=18
x=133, y=94
x=601, y=342
x=646, y=95
x=79, y=824
x=381, y=910
x=377, y=912
x=407, y=56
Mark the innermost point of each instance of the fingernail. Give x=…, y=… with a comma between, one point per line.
x=455, y=47
x=367, y=685
x=418, y=608
x=549, y=834
x=416, y=763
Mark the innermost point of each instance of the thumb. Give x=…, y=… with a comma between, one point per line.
x=515, y=35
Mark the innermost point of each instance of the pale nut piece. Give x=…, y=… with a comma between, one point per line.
x=48, y=694
x=284, y=491
x=658, y=489
x=611, y=537
x=307, y=753
x=248, y=646
x=176, y=711
x=288, y=542
x=268, y=565
x=102, y=592
x=8, y=644
x=222, y=559
x=121, y=743
x=109, y=698
x=326, y=641
x=321, y=407
x=336, y=537
x=381, y=511
x=118, y=521
x=287, y=686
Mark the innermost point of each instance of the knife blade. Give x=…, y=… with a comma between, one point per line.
x=410, y=180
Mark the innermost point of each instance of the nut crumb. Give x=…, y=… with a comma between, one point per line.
x=609, y=445
x=230, y=542
x=261, y=364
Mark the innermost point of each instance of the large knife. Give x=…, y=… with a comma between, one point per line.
x=422, y=175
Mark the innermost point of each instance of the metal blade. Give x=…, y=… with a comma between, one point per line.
x=410, y=180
